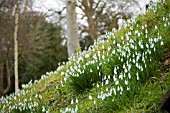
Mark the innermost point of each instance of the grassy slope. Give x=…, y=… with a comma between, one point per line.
x=53, y=94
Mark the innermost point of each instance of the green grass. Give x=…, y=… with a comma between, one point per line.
x=115, y=75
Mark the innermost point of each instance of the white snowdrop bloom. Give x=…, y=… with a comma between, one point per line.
x=160, y=37
x=116, y=82
x=97, y=67
x=156, y=27
x=121, y=76
x=162, y=43
x=129, y=67
x=43, y=109
x=109, y=77
x=122, y=38
x=94, y=102
x=146, y=31
x=124, y=66
x=128, y=88
x=141, y=68
x=121, y=59
x=76, y=109
x=121, y=88
x=109, y=48
x=137, y=76
x=72, y=102
x=126, y=70
x=103, y=57
x=61, y=81
x=154, y=49
x=118, y=45
x=118, y=88
x=97, y=85
x=113, y=52
x=129, y=75
x=15, y=98
x=76, y=100
x=90, y=97
x=35, y=104
x=107, y=89
x=107, y=82
x=126, y=82
x=98, y=96
x=115, y=71
x=114, y=78
x=142, y=27
x=25, y=100
x=147, y=46
x=165, y=24
x=134, y=61
x=87, y=56
x=102, y=46
x=103, y=96
x=91, y=70
x=105, y=77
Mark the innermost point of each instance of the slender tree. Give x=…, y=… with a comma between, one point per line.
x=72, y=31
x=16, y=45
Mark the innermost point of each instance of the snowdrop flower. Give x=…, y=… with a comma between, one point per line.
x=115, y=71
x=156, y=27
x=126, y=82
x=90, y=97
x=43, y=109
x=116, y=82
x=87, y=56
x=76, y=100
x=121, y=76
x=97, y=85
x=107, y=82
x=142, y=27
x=137, y=76
x=72, y=102
x=165, y=24
x=94, y=102
x=129, y=75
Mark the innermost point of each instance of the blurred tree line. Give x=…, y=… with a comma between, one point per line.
x=40, y=48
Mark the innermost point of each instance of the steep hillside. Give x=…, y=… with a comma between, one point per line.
x=128, y=71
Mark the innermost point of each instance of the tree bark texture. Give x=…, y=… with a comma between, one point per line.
x=72, y=31
x=8, y=75
x=16, y=46
x=88, y=5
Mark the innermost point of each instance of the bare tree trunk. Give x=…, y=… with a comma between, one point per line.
x=16, y=46
x=2, y=90
x=1, y=80
x=72, y=30
x=92, y=23
x=8, y=77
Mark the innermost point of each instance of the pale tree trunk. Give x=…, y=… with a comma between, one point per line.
x=72, y=31
x=16, y=46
